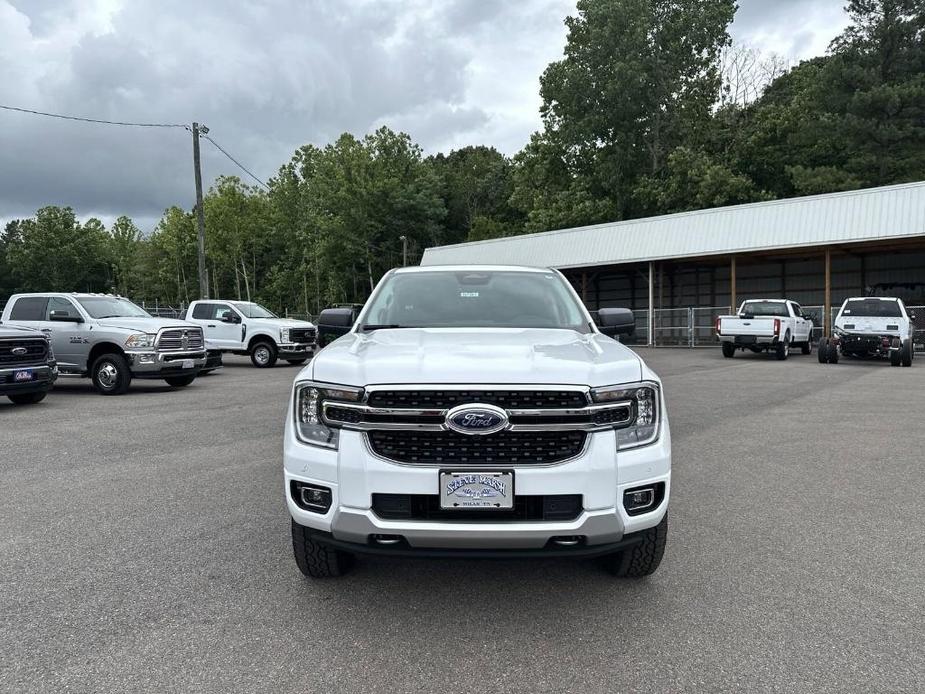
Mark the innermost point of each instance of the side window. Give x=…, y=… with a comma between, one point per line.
x=61, y=305
x=797, y=311
x=29, y=308
x=203, y=311
x=220, y=311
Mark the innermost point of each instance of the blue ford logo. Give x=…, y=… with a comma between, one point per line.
x=476, y=419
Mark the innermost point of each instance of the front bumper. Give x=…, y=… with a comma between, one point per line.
x=600, y=475
x=44, y=377
x=162, y=364
x=297, y=350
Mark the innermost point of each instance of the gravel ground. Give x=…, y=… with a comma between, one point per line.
x=145, y=547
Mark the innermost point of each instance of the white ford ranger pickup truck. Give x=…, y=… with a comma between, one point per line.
x=478, y=411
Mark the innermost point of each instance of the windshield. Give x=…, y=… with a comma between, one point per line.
x=251, y=310
x=475, y=299
x=873, y=308
x=111, y=307
x=765, y=308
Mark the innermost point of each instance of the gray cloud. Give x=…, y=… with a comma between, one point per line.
x=270, y=76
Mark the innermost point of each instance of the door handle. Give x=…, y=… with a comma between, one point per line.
x=210, y=326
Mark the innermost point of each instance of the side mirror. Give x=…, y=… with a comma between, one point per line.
x=230, y=318
x=616, y=321
x=333, y=323
x=64, y=317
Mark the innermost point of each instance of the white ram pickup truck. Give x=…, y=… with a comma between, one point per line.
x=246, y=328
x=478, y=411
x=766, y=325
x=870, y=327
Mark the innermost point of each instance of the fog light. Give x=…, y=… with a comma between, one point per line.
x=311, y=497
x=639, y=500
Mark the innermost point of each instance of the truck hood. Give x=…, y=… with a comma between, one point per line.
x=144, y=325
x=281, y=323
x=442, y=355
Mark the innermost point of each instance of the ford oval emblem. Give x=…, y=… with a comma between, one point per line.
x=19, y=351
x=477, y=420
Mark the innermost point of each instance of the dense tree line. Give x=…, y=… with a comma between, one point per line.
x=650, y=111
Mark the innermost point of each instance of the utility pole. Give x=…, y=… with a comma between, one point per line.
x=200, y=213
x=404, y=250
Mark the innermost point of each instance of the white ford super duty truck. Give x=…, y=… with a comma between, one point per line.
x=246, y=328
x=771, y=325
x=478, y=411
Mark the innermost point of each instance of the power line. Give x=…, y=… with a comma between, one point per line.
x=94, y=120
x=239, y=164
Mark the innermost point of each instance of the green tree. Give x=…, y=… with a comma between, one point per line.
x=639, y=78
x=53, y=251
x=124, y=249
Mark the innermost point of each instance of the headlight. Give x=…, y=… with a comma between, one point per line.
x=140, y=341
x=645, y=398
x=51, y=352
x=284, y=335
x=309, y=398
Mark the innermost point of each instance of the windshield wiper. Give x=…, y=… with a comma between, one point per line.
x=384, y=326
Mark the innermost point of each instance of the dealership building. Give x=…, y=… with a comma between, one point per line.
x=678, y=271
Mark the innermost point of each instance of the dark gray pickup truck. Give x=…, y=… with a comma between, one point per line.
x=27, y=365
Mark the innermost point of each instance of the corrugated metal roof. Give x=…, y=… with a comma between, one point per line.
x=873, y=214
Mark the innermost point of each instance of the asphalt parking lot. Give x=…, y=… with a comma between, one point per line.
x=145, y=547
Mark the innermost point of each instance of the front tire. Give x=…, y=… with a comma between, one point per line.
x=641, y=559
x=906, y=352
x=317, y=560
x=263, y=355
x=807, y=347
x=180, y=381
x=27, y=398
x=729, y=350
x=111, y=375
x=833, y=352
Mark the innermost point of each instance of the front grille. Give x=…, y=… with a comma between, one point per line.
x=425, y=507
x=173, y=339
x=302, y=334
x=36, y=352
x=451, y=448
x=506, y=399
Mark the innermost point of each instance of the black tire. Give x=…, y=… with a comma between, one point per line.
x=895, y=352
x=782, y=351
x=906, y=352
x=822, y=350
x=729, y=350
x=111, y=375
x=833, y=351
x=27, y=398
x=641, y=559
x=297, y=362
x=807, y=347
x=263, y=354
x=317, y=560
x=180, y=381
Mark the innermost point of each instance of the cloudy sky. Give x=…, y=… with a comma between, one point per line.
x=267, y=76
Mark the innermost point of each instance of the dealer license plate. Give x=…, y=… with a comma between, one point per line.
x=469, y=490
x=188, y=364
x=23, y=375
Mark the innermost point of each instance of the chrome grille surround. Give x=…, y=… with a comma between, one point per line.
x=172, y=340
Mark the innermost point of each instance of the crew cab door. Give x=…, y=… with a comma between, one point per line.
x=68, y=337
x=801, y=327
x=221, y=324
